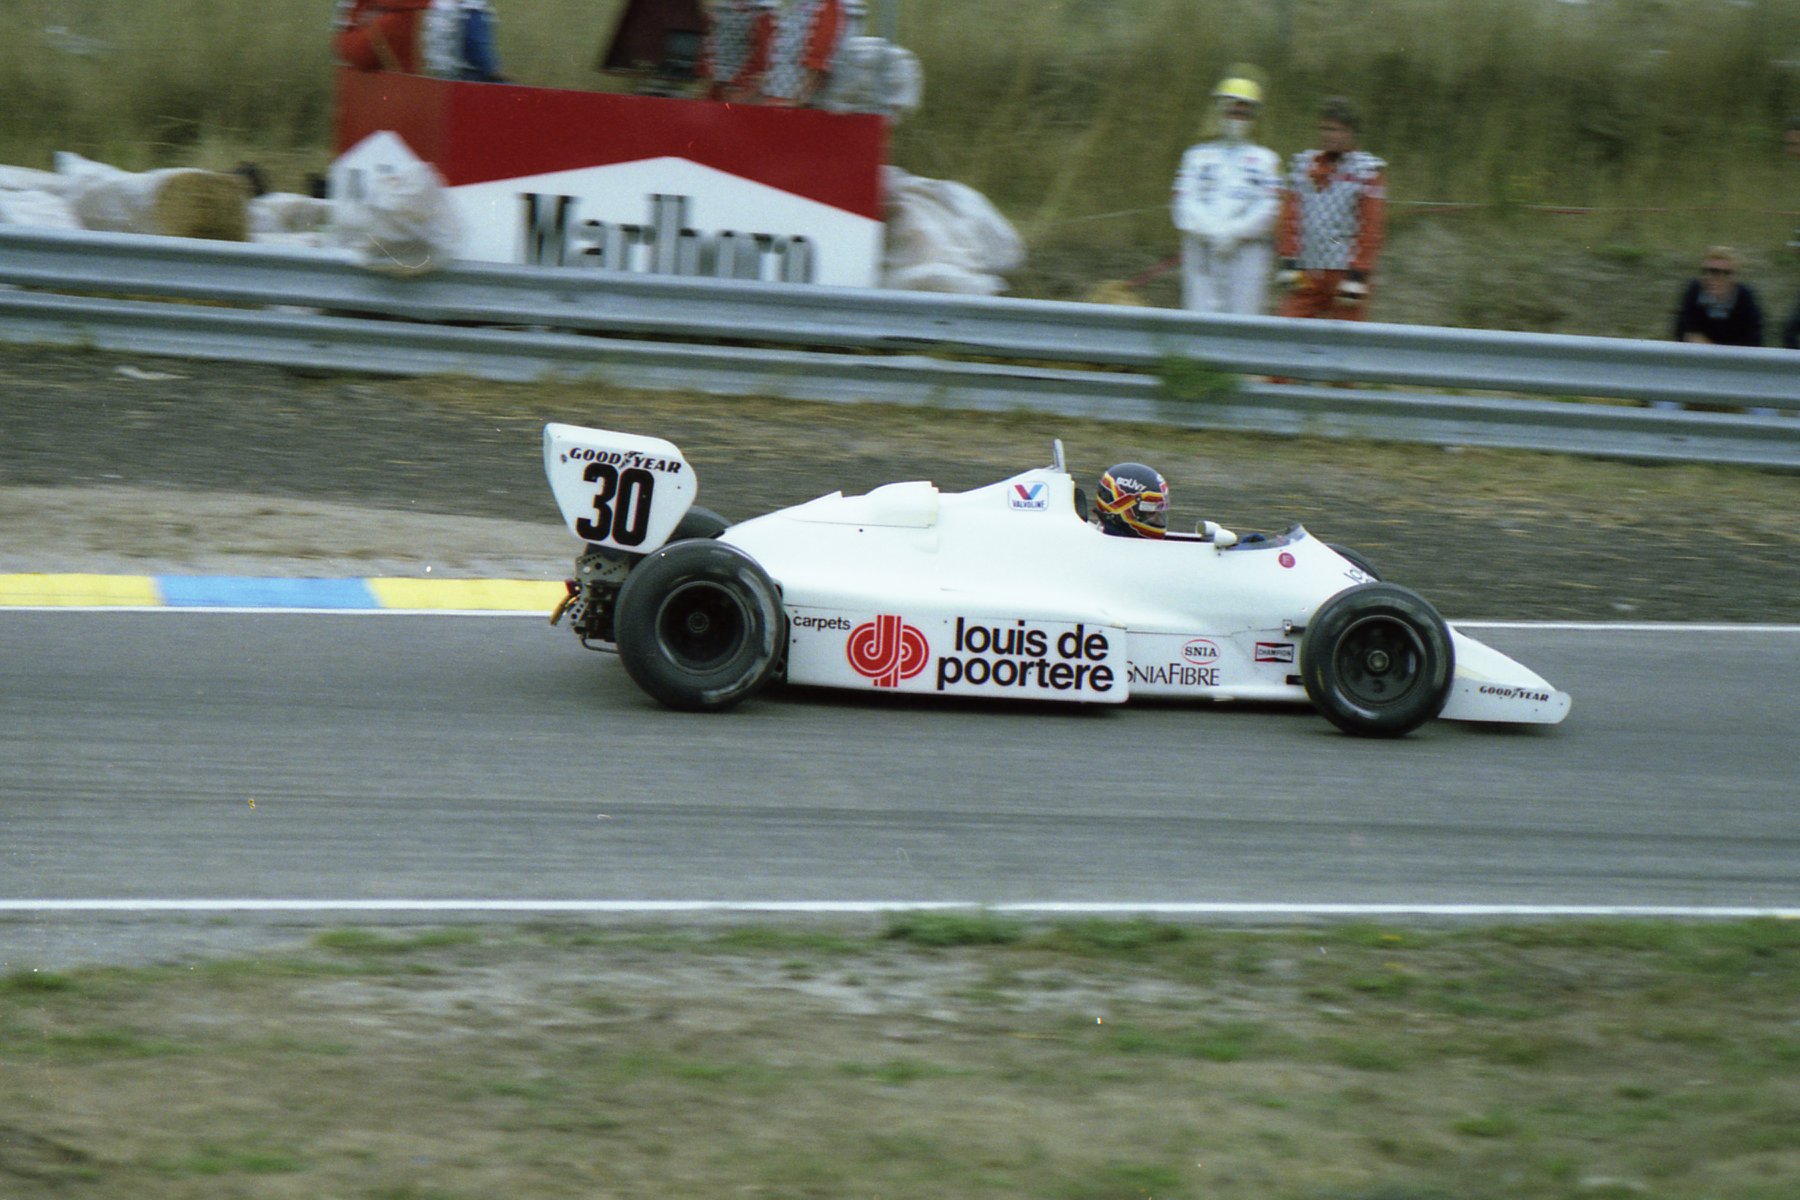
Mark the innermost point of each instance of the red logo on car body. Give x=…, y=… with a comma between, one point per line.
x=887, y=650
x=1286, y=559
x=1200, y=650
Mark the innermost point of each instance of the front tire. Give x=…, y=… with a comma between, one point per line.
x=1357, y=559
x=1377, y=660
x=700, y=626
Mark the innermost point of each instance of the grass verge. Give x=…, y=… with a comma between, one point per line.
x=1662, y=117
x=941, y=1055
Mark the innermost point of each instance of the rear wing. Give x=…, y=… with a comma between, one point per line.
x=620, y=490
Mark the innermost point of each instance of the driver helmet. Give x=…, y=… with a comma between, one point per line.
x=1133, y=501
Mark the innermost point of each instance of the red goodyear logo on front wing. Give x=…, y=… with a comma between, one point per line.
x=887, y=650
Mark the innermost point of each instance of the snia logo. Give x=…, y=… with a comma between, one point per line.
x=1200, y=650
x=887, y=650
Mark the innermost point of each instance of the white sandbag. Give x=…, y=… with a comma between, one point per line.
x=66, y=164
x=994, y=244
x=937, y=222
x=940, y=220
x=872, y=75
x=298, y=239
x=403, y=222
x=943, y=277
x=30, y=179
x=288, y=212
x=105, y=197
x=43, y=210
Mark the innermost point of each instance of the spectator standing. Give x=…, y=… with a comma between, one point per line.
x=740, y=36
x=1716, y=309
x=808, y=38
x=1227, y=194
x=379, y=35
x=459, y=41
x=1790, y=140
x=1333, y=221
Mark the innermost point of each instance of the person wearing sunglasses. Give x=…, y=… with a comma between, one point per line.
x=1716, y=308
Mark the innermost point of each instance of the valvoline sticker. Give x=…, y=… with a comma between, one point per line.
x=1028, y=497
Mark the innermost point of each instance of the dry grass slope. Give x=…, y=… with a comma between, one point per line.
x=1059, y=100
x=1072, y=113
x=947, y=1055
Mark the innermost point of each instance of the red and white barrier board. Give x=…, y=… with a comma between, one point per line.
x=633, y=183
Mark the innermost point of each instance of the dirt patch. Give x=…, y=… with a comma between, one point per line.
x=111, y=529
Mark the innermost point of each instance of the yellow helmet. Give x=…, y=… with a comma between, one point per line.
x=1238, y=88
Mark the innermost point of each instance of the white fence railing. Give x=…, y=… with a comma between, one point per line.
x=311, y=308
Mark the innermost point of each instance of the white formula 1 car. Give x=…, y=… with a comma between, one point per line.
x=1005, y=591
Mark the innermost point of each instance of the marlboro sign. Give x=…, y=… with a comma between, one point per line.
x=650, y=184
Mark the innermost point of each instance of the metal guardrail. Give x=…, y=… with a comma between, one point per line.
x=133, y=293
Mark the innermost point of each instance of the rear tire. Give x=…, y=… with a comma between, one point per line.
x=700, y=626
x=696, y=522
x=1377, y=660
x=699, y=522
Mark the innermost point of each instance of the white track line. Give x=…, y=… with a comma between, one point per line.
x=862, y=907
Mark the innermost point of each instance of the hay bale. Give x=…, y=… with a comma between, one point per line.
x=1116, y=291
x=202, y=204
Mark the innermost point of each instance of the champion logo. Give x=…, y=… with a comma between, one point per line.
x=1033, y=497
x=1275, y=652
x=887, y=650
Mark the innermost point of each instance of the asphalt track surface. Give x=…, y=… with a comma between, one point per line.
x=274, y=757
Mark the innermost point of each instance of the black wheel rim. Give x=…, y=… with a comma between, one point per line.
x=701, y=625
x=1379, y=661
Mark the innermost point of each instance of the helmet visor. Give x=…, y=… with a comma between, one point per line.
x=1151, y=510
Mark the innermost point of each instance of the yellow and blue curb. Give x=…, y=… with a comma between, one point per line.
x=381, y=593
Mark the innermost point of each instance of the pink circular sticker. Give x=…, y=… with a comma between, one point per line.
x=1286, y=559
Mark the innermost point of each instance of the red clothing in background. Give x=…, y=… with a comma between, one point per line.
x=383, y=35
